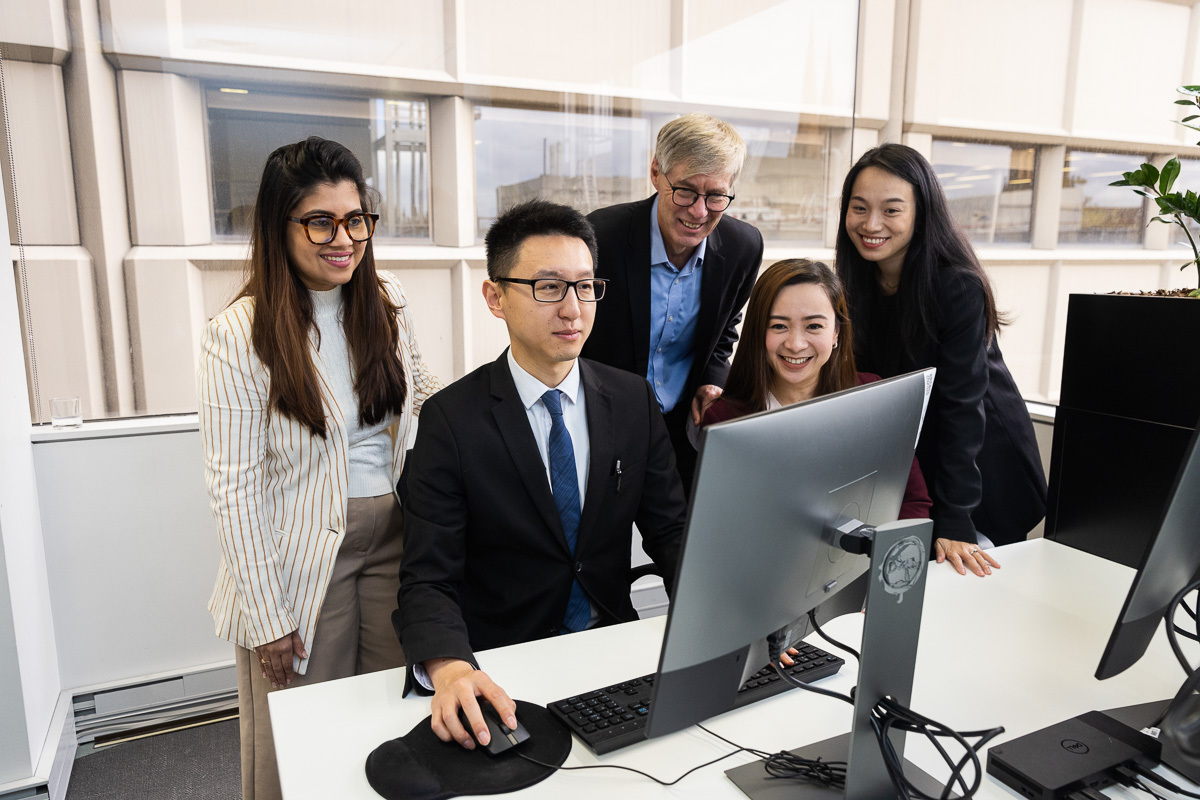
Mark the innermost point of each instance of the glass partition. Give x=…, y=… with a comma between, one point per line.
x=139, y=208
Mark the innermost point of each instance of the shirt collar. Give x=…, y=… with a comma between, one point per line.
x=658, y=250
x=531, y=389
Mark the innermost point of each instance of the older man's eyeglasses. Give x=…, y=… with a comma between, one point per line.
x=686, y=198
x=553, y=290
x=322, y=228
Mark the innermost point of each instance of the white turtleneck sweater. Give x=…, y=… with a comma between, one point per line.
x=370, y=447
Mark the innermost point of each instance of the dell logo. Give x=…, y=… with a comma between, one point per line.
x=1074, y=746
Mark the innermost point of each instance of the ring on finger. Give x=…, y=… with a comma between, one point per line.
x=974, y=550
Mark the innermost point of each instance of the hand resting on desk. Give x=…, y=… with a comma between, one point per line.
x=965, y=555
x=456, y=684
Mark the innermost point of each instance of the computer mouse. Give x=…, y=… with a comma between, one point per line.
x=502, y=737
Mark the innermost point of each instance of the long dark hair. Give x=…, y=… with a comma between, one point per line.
x=939, y=251
x=751, y=374
x=283, y=309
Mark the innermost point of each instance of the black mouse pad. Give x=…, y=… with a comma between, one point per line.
x=419, y=766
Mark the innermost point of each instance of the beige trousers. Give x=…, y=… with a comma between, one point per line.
x=354, y=632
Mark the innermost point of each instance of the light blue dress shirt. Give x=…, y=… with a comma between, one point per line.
x=674, y=308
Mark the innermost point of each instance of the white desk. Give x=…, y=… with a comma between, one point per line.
x=1016, y=649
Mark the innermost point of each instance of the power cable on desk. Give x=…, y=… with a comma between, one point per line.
x=829, y=774
x=888, y=714
x=1137, y=771
x=638, y=771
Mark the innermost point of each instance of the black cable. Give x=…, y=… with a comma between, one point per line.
x=889, y=714
x=1133, y=780
x=789, y=766
x=1151, y=775
x=1173, y=632
x=1195, y=637
x=631, y=769
x=781, y=670
x=812, y=617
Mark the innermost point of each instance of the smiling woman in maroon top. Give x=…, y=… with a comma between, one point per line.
x=797, y=344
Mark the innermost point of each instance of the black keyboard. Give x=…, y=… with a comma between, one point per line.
x=610, y=718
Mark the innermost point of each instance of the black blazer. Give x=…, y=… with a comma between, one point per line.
x=977, y=447
x=621, y=334
x=486, y=562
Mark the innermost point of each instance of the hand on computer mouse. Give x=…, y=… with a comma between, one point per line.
x=458, y=685
x=501, y=737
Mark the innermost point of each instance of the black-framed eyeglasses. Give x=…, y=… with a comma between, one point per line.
x=686, y=198
x=321, y=228
x=552, y=290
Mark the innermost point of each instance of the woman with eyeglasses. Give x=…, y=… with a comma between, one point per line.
x=797, y=344
x=309, y=384
x=919, y=298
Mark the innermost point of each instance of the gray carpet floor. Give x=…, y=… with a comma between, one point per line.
x=201, y=763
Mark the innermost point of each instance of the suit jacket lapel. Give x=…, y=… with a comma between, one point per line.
x=509, y=413
x=637, y=283
x=600, y=444
x=713, y=281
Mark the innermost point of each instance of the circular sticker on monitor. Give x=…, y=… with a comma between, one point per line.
x=902, y=566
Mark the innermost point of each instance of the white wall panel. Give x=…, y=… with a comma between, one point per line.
x=790, y=55
x=428, y=291
x=39, y=26
x=875, y=58
x=29, y=682
x=166, y=159
x=982, y=64
x=42, y=151
x=489, y=335
x=1021, y=291
x=398, y=33
x=623, y=44
x=166, y=310
x=132, y=553
x=62, y=299
x=1138, y=46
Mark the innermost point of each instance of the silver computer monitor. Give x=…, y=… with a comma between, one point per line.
x=771, y=490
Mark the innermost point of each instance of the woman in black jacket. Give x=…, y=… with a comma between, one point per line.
x=919, y=298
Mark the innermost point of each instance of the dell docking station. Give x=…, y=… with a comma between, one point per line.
x=1077, y=754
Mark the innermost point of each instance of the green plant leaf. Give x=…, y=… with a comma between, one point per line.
x=1149, y=174
x=1189, y=90
x=1170, y=172
x=1163, y=220
x=1136, y=191
x=1192, y=117
x=1183, y=102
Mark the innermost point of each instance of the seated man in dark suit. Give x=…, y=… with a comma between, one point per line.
x=526, y=478
x=681, y=273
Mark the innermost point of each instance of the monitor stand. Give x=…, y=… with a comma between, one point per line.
x=895, y=593
x=1139, y=716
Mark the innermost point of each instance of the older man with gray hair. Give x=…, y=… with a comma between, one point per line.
x=680, y=272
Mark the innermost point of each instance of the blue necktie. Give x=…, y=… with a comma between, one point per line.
x=564, y=482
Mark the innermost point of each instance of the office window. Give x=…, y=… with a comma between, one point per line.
x=587, y=161
x=1092, y=212
x=782, y=187
x=989, y=188
x=390, y=138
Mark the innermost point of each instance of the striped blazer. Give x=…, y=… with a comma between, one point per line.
x=277, y=492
